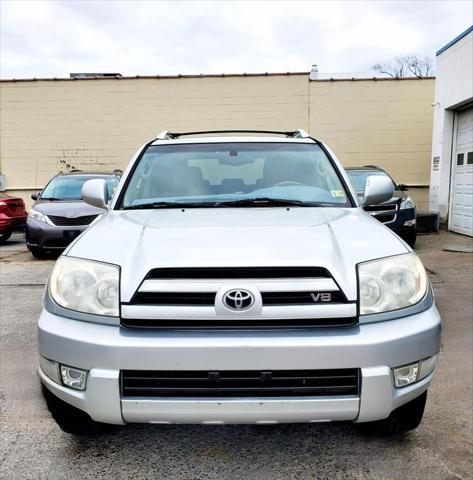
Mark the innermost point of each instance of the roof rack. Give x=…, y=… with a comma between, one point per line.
x=167, y=135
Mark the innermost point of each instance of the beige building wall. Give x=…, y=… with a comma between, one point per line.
x=385, y=122
x=97, y=124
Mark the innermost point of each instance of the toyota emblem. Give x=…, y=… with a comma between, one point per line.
x=71, y=214
x=238, y=299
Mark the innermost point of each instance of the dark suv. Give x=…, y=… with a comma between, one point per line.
x=59, y=215
x=399, y=213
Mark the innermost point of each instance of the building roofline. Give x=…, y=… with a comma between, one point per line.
x=455, y=40
x=132, y=77
x=221, y=75
x=371, y=79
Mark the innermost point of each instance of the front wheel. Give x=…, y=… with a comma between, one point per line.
x=4, y=236
x=72, y=420
x=39, y=253
x=406, y=417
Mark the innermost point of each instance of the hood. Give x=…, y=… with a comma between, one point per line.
x=63, y=208
x=140, y=240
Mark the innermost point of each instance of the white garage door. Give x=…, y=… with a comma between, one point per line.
x=461, y=212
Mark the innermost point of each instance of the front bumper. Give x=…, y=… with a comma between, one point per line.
x=50, y=237
x=402, y=221
x=105, y=350
x=11, y=224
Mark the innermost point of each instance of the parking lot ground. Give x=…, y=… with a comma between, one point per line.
x=33, y=447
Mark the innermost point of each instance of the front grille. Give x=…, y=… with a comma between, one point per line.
x=190, y=299
x=385, y=217
x=154, y=296
x=240, y=383
x=75, y=221
x=380, y=208
x=237, y=323
x=174, y=298
x=237, y=273
x=301, y=298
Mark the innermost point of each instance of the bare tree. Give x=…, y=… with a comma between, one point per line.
x=395, y=69
x=406, y=66
x=419, y=67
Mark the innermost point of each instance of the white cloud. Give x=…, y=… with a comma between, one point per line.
x=144, y=37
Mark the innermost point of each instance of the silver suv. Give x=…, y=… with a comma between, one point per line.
x=235, y=278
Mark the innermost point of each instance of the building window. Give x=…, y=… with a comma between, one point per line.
x=460, y=158
x=469, y=158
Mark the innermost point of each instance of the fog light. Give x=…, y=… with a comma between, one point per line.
x=406, y=375
x=73, y=377
x=410, y=223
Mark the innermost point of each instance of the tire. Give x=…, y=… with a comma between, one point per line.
x=410, y=237
x=39, y=253
x=4, y=237
x=403, y=419
x=72, y=420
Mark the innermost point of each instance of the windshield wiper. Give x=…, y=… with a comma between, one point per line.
x=52, y=199
x=141, y=206
x=241, y=202
x=264, y=202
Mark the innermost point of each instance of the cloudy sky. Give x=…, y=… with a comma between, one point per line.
x=146, y=37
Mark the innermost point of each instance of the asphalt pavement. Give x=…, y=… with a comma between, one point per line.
x=33, y=447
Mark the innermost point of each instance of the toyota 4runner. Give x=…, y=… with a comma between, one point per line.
x=235, y=278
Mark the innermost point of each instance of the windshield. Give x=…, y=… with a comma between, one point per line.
x=70, y=187
x=215, y=173
x=358, y=178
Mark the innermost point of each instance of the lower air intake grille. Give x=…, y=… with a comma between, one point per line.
x=240, y=383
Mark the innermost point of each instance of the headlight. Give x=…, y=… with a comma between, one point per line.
x=86, y=286
x=391, y=283
x=38, y=215
x=407, y=203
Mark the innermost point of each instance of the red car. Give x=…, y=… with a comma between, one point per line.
x=12, y=215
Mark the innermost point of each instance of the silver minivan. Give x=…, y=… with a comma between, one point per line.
x=236, y=278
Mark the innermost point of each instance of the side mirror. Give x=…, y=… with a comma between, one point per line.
x=35, y=195
x=378, y=189
x=403, y=187
x=95, y=192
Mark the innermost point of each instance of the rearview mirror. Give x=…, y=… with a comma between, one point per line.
x=378, y=189
x=95, y=192
x=35, y=195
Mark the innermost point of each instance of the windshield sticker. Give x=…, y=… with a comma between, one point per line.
x=337, y=193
